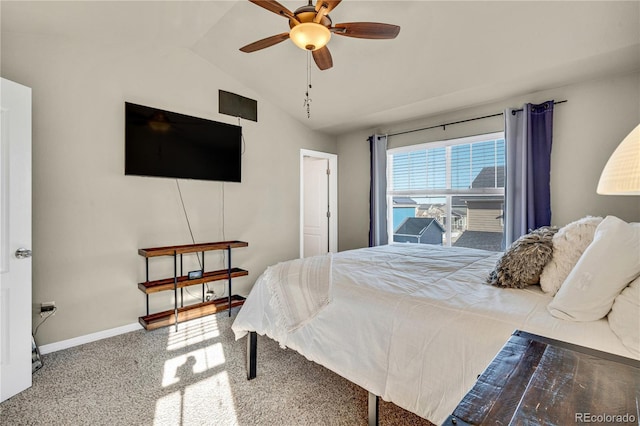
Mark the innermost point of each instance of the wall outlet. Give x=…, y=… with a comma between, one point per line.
x=47, y=306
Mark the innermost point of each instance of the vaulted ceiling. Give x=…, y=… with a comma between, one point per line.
x=448, y=55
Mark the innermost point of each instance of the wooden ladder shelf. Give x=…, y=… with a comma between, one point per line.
x=178, y=314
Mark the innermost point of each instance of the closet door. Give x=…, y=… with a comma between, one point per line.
x=15, y=239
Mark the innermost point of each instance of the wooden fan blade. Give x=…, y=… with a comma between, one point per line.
x=265, y=42
x=323, y=58
x=274, y=6
x=329, y=5
x=372, y=30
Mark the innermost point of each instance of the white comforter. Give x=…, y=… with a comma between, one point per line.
x=415, y=324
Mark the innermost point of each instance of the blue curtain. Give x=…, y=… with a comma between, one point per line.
x=528, y=134
x=378, y=191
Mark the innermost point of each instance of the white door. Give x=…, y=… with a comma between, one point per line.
x=316, y=206
x=15, y=239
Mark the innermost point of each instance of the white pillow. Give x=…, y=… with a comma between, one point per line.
x=608, y=265
x=624, y=318
x=568, y=245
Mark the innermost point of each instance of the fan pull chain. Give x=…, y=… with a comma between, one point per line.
x=307, y=99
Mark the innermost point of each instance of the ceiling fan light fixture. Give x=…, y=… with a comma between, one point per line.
x=310, y=35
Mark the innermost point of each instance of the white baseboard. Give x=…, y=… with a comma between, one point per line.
x=87, y=338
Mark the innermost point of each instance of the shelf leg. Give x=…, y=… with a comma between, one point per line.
x=229, y=275
x=146, y=264
x=175, y=287
x=202, y=270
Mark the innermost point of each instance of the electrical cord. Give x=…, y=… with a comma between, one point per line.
x=186, y=216
x=244, y=144
x=224, y=238
x=50, y=314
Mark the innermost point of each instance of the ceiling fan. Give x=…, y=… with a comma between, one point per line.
x=311, y=28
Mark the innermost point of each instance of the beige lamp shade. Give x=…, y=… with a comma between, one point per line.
x=310, y=36
x=621, y=174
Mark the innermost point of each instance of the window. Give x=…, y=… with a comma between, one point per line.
x=448, y=193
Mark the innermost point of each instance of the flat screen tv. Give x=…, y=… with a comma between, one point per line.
x=168, y=144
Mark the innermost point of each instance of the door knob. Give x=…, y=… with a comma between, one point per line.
x=23, y=253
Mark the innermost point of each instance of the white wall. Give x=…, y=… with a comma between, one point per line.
x=89, y=219
x=587, y=129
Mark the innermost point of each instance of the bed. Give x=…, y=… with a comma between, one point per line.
x=413, y=324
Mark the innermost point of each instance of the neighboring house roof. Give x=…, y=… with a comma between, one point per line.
x=456, y=212
x=466, y=199
x=487, y=178
x=484, y=198
x=426, y=207
x=481, y=240
x=458, y=201
x=403, y=200
x=417, y=225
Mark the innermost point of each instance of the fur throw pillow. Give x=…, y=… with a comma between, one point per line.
x=522, y=263
x=568, y=245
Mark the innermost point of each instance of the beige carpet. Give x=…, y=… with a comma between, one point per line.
x=195, y=376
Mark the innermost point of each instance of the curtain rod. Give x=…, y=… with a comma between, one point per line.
x=458, y=122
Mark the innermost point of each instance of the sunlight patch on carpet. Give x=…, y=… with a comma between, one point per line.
x=193, y=332
x=192, y=363
x=168, y=410
x=208, y=401
x=211, y=401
